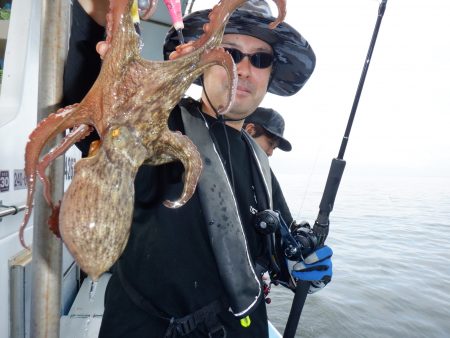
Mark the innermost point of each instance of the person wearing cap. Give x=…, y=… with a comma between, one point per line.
x=196, y=271
x=266, y=126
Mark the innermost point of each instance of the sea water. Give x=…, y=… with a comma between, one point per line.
x=391, y=262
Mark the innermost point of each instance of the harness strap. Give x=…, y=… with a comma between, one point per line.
x=206, y=315
x=178, y=326
x=221, y=214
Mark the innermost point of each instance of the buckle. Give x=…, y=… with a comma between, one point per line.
x=217, y=332
x=185, y=326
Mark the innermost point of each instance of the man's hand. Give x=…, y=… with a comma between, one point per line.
x=97, y=10
x=316, y=268
x=181, y=50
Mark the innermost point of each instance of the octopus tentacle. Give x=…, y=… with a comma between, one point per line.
x=218, y=18
x=180, y=147
x=122, y=40
x=74, y=136
x=281, y=5
x=46, y=130
x=178, y=82
x=220, y=57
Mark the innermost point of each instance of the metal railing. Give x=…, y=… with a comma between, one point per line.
x=6, y=210
x=47, y=249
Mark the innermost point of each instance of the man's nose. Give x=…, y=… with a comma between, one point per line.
x=244, y=67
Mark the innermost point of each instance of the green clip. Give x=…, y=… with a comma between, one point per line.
x=246, y=321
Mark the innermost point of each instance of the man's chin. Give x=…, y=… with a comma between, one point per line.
x=244, y=105
x=239, y=114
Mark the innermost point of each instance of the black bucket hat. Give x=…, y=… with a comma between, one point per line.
x=272, y=122
x=294, y=58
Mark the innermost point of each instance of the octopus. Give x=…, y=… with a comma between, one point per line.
x=128, y=105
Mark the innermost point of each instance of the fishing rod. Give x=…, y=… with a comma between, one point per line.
x=322, y=223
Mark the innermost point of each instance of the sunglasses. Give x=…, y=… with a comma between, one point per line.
x=259, y=59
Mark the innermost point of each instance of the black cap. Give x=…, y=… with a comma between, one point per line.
x=272, y=122
x=294, y=58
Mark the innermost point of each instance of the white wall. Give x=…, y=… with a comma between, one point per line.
x=16, y=123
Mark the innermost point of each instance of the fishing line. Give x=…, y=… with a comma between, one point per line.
x=322, y=223
x=313, y=169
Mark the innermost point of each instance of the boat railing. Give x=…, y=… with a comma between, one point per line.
x=6, y=210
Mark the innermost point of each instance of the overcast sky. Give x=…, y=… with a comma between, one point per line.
x=402, y=122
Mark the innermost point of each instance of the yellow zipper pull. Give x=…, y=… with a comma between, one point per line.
x=246, y=321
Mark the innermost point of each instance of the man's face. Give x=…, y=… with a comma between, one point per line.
x=266, y=141
x=252, y=81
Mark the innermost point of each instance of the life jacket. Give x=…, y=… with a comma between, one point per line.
x=226, y=232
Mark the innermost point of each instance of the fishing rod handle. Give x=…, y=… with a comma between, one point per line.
x=321, y=225
x=301, y=291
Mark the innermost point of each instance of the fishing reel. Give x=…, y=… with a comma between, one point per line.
x=297, y=242
x=306, y=239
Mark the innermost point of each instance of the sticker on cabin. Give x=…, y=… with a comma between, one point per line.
x=4, y=180
x=69, y=163
x=19, y=179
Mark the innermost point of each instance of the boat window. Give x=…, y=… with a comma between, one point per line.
x=5, y=13
x=15, y=24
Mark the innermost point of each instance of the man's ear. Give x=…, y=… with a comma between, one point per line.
x=250, y=128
